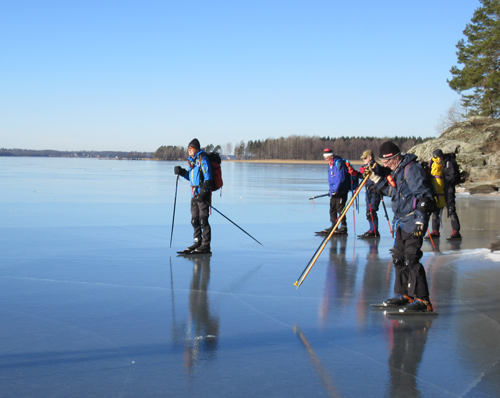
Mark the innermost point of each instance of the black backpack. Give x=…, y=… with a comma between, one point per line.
x=451, y=169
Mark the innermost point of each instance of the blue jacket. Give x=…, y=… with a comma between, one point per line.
x=339, y=178
x=199, y=173
x=411, y=185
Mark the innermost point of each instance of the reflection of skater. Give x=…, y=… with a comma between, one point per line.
x=200, y=177
x=445, y=176
x=339, y=182
x=340, y=278
x=408, y=344
x=203, y=328
x=374, y=278
x=372, y=197
x=412, y=200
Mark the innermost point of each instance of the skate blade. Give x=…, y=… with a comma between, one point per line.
x=194, y=254
x=412, y=313
x=382, y=306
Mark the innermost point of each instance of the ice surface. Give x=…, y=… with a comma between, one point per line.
x=95, y=304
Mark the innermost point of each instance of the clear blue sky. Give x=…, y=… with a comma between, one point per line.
x=135, y=75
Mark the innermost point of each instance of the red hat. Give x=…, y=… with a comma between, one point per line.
x=327, y=152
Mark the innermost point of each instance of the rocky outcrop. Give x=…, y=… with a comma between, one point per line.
x=476, y=143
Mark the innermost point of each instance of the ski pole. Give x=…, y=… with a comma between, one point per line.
x=432, y=240
x=173, y=217
x=319, y=196
x=373, y=222
x=325, y=241
x=354, y=219
x=314, y=197
x=386, y=216
x=234, y=223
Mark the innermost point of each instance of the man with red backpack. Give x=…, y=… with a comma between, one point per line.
x=200, y=177
x=339, y=182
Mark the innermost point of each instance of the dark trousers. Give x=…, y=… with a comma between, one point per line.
x=451, y=208
x=337, y=203
x=199, y=220
x=410, y=273
x=372, y=205
x=372, y=217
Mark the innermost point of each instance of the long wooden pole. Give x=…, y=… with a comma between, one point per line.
x=322, y=246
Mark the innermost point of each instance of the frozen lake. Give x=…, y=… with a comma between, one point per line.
x=95, y=304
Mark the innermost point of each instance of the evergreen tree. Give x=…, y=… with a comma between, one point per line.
x=480, y=57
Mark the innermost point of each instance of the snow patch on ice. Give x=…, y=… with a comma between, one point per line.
x=493, y=256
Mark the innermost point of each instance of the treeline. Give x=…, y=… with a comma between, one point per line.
x=311, y=148
x=179, y=152
x=170, y=153
x=132, y=155
x=289, y=148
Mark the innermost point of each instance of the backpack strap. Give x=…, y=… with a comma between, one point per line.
x=406, y=170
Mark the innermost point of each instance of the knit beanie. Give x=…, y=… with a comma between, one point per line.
x=438, y=153
x=327, y=152
x=388, y=150
x=194, y=144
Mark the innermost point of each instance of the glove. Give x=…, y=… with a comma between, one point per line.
x=203, y=193
x=425, y=205
x=351, y=171
x=419, y=230
x=180, y=171
x=373, y=177
x=362, y=170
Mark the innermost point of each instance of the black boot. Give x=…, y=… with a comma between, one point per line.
x=202, y=249
x=398, y=301
x=342, y=230
x=418, y=305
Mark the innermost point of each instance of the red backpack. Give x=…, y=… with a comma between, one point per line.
x=215, y=162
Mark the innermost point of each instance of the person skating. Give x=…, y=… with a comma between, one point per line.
x=412, y=201
x=339, y=182
x=200, y=176
x=372, y=197
x=445, y=175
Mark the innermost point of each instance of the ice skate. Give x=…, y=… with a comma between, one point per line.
x=454, y=235
x=369, y=234
x=433, y=235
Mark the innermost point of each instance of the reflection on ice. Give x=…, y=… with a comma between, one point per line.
x=407, y=345
x=202, y=330
x=322, y=372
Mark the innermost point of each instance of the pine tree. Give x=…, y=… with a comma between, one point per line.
x=480, y=57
